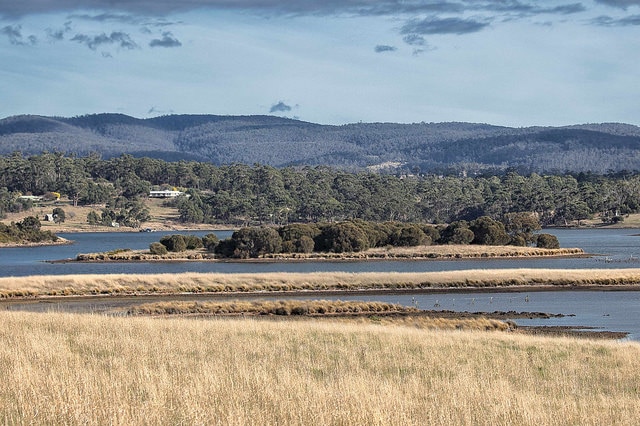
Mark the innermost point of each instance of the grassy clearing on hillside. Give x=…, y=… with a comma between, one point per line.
x=82, y=369
x=118, y=284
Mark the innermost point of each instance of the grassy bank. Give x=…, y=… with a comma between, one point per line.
x=118, y=284
x=351, y=311
x=73, y=369
x=450, y=251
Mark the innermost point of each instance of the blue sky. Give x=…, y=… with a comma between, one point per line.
x=504, y=62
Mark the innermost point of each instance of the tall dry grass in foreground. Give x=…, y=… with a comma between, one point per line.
x=66, y=285
x=72, y=369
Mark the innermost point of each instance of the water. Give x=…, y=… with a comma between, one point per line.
x=617, y=248
x=602, y=310
x=611, y=310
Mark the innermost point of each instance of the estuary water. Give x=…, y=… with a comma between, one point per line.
x=605, y=310
x=612, y=248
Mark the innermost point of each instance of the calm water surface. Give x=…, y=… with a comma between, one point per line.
x=612, y=310
x=619, y=248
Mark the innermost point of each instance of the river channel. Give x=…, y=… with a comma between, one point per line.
x=604, y=310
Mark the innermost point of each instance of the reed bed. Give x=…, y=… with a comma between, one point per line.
x=349, y=311
x=263, y=307
x=119, y=284
x=80, y=369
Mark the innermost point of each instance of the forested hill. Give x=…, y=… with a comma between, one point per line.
x=279, y=142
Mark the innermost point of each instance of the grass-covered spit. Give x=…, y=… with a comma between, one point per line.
x=119, y=284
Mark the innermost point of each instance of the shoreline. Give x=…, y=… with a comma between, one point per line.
x=115, y=304
x=60, y=242
x=417, y=253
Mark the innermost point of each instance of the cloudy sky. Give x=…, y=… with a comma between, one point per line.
x=505, y=62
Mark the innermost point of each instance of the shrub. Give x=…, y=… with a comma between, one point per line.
x=342, y=237
x=157, y=248
x=192, y=242
x=457, y=233
x=93, y=218
x=210, y=241
x=305, y=244
x=547, y=241
x=431, y=232
x=225, y=248
x=487, y=231
x=59, y=215
x=253, y=242
x=174, y=242
x=409, y=235
x=518, y=240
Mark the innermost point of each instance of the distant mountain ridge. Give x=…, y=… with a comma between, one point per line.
x=283, y=142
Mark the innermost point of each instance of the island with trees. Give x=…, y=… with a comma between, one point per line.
x=357, y=240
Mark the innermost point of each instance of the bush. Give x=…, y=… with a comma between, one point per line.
x=254, y=242
x=174, y=242
x=192, y=242
x=210, y=241
x=344, y=237
x=457, y=233
x=408, y=235
x=431, y=232
x=518, y=240
x=305, y=244
x=157, y=248
x=59, y=215
x=487, y=231
x=225, y=248
x=547, y=241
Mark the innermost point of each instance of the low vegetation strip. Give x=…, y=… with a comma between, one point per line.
x=400, y=253
x=376, y=312
x=89, y=369
x=128, y=284
x=281, y=307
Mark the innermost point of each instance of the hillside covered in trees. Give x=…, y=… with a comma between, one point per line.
x=253, y=195
x=280, y=142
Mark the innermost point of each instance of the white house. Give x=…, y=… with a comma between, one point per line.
x=164, y=194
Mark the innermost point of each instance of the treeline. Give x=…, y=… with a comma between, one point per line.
x=26, y=231
x=252, y=195
x=359, y=235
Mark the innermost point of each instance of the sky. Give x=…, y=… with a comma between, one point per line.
x=505, y=62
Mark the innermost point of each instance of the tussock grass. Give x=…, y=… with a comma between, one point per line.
x=80, y=369
x=376, y=312
x=116, y=284
x=279, y=307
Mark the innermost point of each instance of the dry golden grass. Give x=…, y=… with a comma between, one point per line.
x=400, y=253
x=351, y=312
x=67, y=285
x=266, y=307
x=162, y=218
x=449, y=251
x=73, y=369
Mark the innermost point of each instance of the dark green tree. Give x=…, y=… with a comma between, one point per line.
x=547, y=241
x=175, y=242
x=59, y=215
x=256, y=241
x=343, y=237
x=487, y=231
